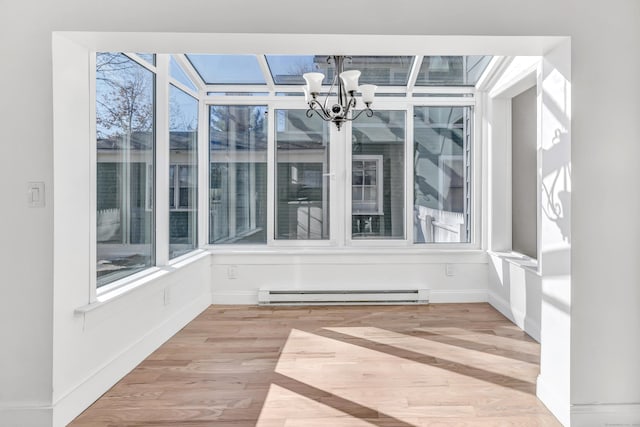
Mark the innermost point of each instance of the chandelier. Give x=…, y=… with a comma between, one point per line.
x=347, y=85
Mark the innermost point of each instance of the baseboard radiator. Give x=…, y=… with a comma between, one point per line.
x=342, y=297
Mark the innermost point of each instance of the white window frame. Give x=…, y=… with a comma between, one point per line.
x=379, y=186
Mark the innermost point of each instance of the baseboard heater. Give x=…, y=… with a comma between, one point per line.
x=342, y=297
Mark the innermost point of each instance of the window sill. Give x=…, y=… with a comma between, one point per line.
x=520, y=260
x=345, y=250
x=127, y=285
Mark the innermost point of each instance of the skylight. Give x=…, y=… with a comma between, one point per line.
x=228, y=69
x=286, y=70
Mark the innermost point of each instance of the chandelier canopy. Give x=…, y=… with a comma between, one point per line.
x=347, y=86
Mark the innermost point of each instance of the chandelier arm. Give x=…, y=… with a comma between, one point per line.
x=367, y=110
x=320, y=113
x=319, y=109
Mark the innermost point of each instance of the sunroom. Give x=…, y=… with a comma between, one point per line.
x=225, y=152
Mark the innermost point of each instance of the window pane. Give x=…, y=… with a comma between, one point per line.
x=451, y=70
x=378, y=155
x=228, y=69
x=381, y=70
x=178, y=73
x=238, y=174
x=149, y=57
x=125, y=167
x=441, y=174
x=302, y=186
x=378, y=70
x=183, y=172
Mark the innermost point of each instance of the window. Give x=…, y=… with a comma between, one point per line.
x=183, y=172
x=302, y=169
x=238, y=174
x=378, y=176
x=125, y=145
x=442, y=170
x=269, y=167
x=366, y=184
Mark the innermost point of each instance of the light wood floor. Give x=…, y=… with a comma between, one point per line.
x=385, y=366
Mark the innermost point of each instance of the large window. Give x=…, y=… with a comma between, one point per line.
x=125, y=167
x=238, y=174
x=272, y=169
x=183, y=172
x=378, y=176
x=302, y=172
x=442, y=170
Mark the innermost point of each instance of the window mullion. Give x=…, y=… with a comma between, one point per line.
x=162, y=161
x=271, y=173
x=409, y=177
x=204, y=168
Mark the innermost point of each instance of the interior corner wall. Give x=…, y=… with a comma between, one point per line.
x=96, y=344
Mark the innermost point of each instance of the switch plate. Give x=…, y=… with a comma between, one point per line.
x=35, y=194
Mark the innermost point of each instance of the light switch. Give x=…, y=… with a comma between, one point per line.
x=35, y=194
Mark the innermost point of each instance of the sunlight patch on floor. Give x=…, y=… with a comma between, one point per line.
x=468, y=357
x=285, y=408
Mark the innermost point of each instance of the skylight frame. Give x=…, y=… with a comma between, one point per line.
x=271, y=88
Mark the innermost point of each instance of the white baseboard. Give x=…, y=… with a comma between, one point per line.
x=554, y=401
x=235, y=297
x=601, y=415
x=78, y=399
x=443, y=296
x=27, y=416
x=529, y=325
x=435, y=296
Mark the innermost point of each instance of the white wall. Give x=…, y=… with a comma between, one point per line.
x=524, y=184
x=314, y=270
x=605, y=322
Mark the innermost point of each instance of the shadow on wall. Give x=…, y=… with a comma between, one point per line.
x=556, y=195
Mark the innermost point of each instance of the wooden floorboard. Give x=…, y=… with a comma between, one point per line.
x=382, y=366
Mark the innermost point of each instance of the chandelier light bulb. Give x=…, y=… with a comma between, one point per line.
x=314, y=82
x=368, y=93
x=350, y=80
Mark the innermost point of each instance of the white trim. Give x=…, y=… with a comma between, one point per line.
x=413, y=73
x=80, y=397
x=27, y=415
x=605, y=414
x=409, y=178
x=530, y=326
x=556, y=403
x=134, y=56
x=203, y=175
x=271, y=173
x=492, y=73
x=445, y=296
x=266, y=71
x=435, y=296
x=161, y=160
x=93, y=179
x=134, y=281
x=190, y=71
x=221, y=297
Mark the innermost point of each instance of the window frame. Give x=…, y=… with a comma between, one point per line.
x=340, y=233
